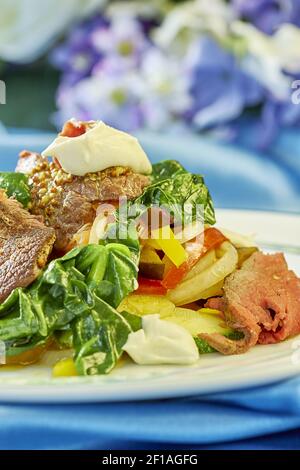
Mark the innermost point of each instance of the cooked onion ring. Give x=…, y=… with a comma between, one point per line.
x=191, y=289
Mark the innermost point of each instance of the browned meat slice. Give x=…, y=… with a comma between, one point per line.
x=69, y=202
x=262, y=300
x=25, y=244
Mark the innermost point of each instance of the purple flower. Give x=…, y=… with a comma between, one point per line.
x=112, y=71
x=77, y=56
x=267, y=15
x=99, y=63
x=220, y=89
x=124, y=38
x=111, y=94
x=275, y=116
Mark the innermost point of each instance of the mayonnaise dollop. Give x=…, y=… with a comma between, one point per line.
x=101, y=147
x=161, y=342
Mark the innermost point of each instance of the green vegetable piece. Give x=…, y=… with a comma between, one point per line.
x=166, y=169
x=19, y=320
x=196, y=322
x=135, y=321
x=122, y=272
x=180, y=193
x=203, y=346
x=99, y=339
x=64, y=338
x=125, y=234
x=77, y=292
x=21, y=346
x=16, y=186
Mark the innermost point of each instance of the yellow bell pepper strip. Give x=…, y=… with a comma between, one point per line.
x=210, y=311
x=164, y=239
x=64, y=368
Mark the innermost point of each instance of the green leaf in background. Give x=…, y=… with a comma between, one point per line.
x=16, y=185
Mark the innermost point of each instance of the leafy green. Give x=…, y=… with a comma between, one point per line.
x=64, y=338
x=205, y=348
x=99, y=338
x=135, y=321
x=166, y=169
x=124, y=232
x=16, y=185
x=235, y=335
x=79, y=292
x=179, y=192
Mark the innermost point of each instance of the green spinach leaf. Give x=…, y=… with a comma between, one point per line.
x=166, y=169
x=99, y=338
x=79, y=292
x=16, y=185
x=179, y=192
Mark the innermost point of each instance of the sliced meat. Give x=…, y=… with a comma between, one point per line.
x=25, y=244
x=262, y=300
x=73, y=212
x=68, y=202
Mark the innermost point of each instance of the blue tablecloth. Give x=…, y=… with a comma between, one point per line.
x=261, y=418
x=258, y=418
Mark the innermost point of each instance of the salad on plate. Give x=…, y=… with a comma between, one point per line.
x=104, y=255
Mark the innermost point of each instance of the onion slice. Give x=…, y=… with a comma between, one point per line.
x=190, y=290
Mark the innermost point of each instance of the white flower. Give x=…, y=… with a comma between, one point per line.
x=190, y=19
x=166, y=89
x=27, y=27
x=269, y=56
x=112, y=96
x=287, y=40
x=133, y=8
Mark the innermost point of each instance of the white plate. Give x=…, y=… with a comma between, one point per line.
x=214, y=373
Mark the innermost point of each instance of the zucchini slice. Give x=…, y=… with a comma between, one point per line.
x=196, y=322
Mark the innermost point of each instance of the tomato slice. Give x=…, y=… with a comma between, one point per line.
x=150, y=287
x=212, y=239
x=73, y=129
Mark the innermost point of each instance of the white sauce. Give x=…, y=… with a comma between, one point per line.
x=101, y=147
x=161, y=342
